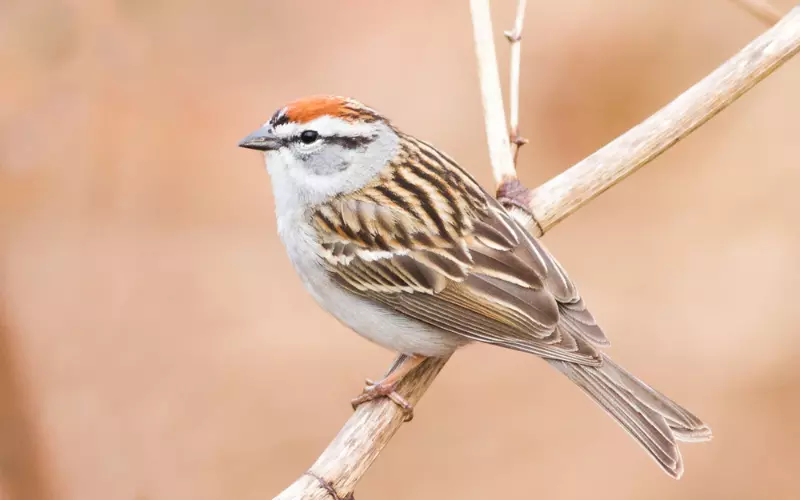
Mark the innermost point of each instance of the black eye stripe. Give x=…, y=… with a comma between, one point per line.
x=350, y=142
x=345, y=141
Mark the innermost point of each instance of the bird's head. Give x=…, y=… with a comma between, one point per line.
x=319, y=147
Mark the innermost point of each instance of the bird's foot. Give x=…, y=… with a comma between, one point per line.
x=384, y=389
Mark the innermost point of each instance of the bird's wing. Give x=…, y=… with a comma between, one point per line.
x=428, y=242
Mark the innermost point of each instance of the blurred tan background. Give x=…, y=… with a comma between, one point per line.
x=155, y=344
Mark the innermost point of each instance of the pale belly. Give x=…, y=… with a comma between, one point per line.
x=372, y=321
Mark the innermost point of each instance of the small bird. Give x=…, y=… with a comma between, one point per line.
x=393, y=238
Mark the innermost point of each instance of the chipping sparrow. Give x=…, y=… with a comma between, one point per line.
x=402, y=245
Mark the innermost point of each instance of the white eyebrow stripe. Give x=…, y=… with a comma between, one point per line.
x=326, y=126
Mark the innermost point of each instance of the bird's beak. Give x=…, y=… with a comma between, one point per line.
x=261, y=140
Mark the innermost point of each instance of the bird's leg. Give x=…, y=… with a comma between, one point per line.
x=385, y=388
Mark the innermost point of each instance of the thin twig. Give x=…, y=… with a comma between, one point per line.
x=761, y=9
x=559, y=197
x=514, y=38
x=373, y=424
x=491, y=93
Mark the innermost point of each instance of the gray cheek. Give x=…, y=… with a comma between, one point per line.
x=327, y=161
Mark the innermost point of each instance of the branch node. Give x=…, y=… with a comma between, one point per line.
x=518, y=140
x=328, y=486
x=513, y=36
x=511, y=193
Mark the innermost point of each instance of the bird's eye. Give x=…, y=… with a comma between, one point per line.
x=309, y=136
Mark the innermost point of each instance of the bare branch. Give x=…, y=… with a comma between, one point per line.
x=515, y=37
x=559, y=197
x=337, y=471
x=362, y=438
x=491, y=93
x=761, y=9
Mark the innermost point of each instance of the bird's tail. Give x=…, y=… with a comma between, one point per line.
x=653, y=419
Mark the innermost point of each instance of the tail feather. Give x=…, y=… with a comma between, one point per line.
x=653, y=419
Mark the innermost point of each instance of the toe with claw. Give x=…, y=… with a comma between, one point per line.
x=384, y=389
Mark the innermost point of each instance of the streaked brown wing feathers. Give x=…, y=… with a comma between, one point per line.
x=421, y=241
